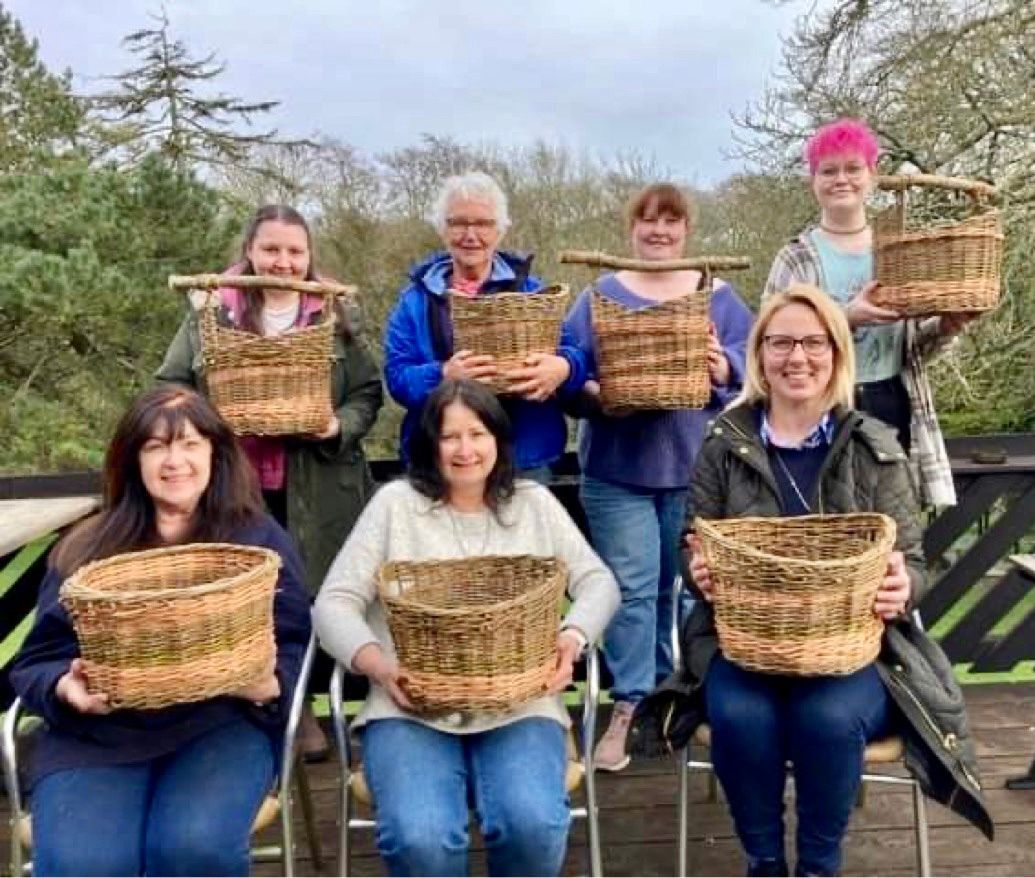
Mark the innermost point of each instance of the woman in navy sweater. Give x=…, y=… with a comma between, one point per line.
x=171, y=791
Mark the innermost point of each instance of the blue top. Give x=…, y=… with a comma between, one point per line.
x=654, y=449
x=796, y=467
x=418, y=340
x=879, y=347
x=70, y=739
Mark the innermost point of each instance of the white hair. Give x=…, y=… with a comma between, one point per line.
x=472, y=185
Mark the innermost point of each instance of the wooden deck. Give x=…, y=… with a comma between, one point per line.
x=638, y=815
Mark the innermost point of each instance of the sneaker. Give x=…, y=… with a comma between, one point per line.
x=311, y=740
x=610, y=753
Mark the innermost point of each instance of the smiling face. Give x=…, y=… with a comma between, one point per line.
x=176, y=470
x=659, y=235
x=280, y=249
x=797, y=377
x=466, y=449
x=471, y=235
x=842, y=182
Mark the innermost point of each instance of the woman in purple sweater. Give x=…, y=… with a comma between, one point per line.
x=636, y=467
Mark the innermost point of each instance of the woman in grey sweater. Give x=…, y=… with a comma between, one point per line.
x=461, y=500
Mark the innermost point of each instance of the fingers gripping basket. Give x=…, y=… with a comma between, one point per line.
x=656, y=357
x=509, y=326
x=944, y=268
x=474, y=633
x=173, y=625
x=796, y=595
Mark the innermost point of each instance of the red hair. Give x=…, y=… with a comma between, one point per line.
x=839, y=137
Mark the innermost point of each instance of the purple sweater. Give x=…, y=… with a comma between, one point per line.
x=654, y=449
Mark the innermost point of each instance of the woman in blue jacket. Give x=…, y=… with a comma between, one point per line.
x=172, y=791
x=470, y=214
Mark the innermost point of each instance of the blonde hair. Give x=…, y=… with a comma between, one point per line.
x=841, y=390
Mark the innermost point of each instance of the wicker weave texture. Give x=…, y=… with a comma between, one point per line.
x=653, y=358
x=269, y=385
x=474, y=633
x=174, y=625
x=509, y=326
x=938, y=270
x=796, y=595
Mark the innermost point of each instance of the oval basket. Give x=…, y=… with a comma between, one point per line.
x=509, y=326
x=174, y=625
x=653, y=358
x=474, y=633
x=795, y=595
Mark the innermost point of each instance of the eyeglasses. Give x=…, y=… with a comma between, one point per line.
x=461, y=224
x=783, y=345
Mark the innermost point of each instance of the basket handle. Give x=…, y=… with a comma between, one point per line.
x=976, y=189
x=248, y=281
x=705, y=264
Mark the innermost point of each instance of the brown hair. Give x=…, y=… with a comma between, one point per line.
x=656, y=199
x=127, y=518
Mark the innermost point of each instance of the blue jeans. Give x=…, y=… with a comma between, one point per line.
x=423, y=782
x=636, y=533
x=821, y=725
x=188, y=813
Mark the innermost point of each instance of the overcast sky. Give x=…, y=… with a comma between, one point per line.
x=659, y=78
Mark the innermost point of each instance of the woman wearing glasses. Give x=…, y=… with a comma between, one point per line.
x=793, y=445
x=891, y=352
x=470, y=214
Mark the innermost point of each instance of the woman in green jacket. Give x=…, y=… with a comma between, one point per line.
x=794, y=446
x=315, y=485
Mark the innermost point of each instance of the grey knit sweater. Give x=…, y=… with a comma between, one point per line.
x=401, y=524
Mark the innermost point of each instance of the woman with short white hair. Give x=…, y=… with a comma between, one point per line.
x=471, y=216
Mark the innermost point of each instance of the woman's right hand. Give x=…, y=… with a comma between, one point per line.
x=699, y=572
x=71, y=689
x=467, y=364
x=372, y=662
x=860, y=310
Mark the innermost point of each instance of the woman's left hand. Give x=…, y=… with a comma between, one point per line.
x=262, y=690
x=332, y=429
x=718, y=363
x=539, y=378
x=568, y=648
x=894, y=591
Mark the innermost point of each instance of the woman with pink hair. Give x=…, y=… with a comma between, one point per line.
x=836, y=255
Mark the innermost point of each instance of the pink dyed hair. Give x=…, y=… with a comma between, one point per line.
x=842, y=136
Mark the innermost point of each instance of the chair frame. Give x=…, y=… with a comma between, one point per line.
x=687, y=764
x=347, y=821
x=292, y=768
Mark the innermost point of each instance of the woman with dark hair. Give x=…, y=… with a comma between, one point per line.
x=172, y=791
x=317, y=485
x=461, y=499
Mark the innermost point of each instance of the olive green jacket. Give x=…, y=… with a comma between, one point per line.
x=865, y=471
x=328, y=482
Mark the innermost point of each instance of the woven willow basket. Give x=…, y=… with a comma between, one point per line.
x=269, y=385
x=795, y=595
x=173, y=625
x=937, y=269
x=509, y=326
x=474, y=633
x=653, y=358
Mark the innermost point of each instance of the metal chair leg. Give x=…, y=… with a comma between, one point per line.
x=684, y=809
x=591, y=698
x=923, y=850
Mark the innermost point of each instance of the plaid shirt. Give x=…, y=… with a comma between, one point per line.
x=799, y=262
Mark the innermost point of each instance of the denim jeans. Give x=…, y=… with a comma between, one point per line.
x=188, y=813
x=424, y=781
x=636, y=533
x=821, y=725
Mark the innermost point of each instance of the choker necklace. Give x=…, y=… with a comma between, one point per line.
x=831, y=231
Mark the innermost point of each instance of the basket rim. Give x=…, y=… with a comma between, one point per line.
x=597, y=295
x=554, y=291
x=562, y=573
x=883, y=543
x=74, y=588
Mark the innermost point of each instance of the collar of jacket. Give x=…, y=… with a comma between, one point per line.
x=431, y=274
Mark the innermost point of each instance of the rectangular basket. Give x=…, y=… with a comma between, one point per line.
x=795, y=595
x=474, y=633
x=656, y=357
x=174, y=625
x=269, y=385
x=937, y=269
x=509, y=326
